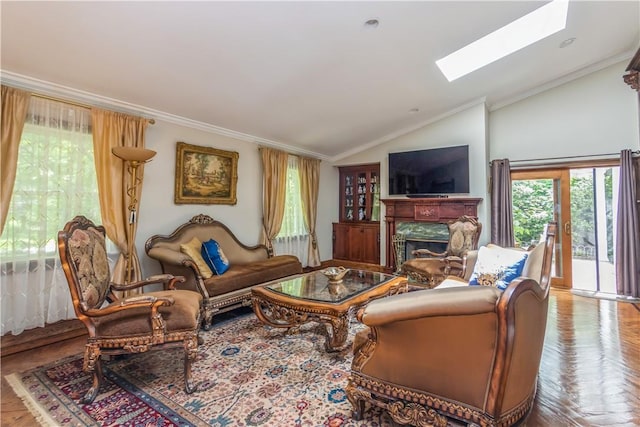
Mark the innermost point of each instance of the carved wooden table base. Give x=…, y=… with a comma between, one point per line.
x=280, y=315
x=281, y=311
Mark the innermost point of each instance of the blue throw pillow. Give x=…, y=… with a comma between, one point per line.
x=214, y=257
x=497, y=266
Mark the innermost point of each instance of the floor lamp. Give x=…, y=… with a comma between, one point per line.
x=133, y=157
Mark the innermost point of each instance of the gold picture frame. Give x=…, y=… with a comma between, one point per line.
x=205, y=175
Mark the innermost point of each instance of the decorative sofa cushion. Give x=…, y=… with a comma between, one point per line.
x=497, y=266
x=193, y=250
x=214, y=256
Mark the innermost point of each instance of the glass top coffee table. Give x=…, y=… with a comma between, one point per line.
x=311, y=297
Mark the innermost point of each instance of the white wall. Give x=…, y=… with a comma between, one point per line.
x=159, y=214
x=594, y=114
x=464, y=128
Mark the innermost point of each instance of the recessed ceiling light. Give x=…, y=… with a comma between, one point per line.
x=371, y=23
x=566, y=42
x=524, y=31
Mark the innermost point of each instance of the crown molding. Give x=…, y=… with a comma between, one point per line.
x=75, y=95
x=574, y=75
x=407, y=130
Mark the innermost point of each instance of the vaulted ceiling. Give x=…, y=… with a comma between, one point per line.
x=306, y=75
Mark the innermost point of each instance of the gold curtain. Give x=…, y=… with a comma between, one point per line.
x=15, y=103
x=274, y=184
x=309, y=171
x=111, y=129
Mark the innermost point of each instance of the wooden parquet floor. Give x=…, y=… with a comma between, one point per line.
x=589, y=375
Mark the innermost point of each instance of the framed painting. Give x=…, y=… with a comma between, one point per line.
x=205, y=175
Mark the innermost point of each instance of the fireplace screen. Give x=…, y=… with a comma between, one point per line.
x=423, y=235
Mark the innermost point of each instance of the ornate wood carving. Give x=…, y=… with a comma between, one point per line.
x=632, y=77
x=408, y=406
x=428, y=281
x=201, y=219
x=632, y=80
x=281, y=314
x=282, y=311
x=365, y=351
x=416, y=415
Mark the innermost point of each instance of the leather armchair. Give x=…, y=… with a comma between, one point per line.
x=470, y=353
x=153, y=320
x=429, y=268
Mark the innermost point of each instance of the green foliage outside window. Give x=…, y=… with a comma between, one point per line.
x=293, y=222
x=55, y=181
x=583, y=227
x=532, y=209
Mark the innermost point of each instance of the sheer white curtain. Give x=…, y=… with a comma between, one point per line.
x=293, y=238
x=55, y=181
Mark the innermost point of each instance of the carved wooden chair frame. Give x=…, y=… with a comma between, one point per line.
x=450, y=264
x=158, y=337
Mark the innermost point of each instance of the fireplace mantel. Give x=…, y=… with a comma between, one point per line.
x=440, y=210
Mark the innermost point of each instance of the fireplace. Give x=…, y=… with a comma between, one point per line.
x=422, y=235
x=423, y=222
x=412, y=245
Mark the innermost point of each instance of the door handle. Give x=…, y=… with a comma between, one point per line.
x=567, y=228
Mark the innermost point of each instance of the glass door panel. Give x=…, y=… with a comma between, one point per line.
x=363, y=204
x=593, y=203
x=349, y=193
x=375, y=195
x=538, y=198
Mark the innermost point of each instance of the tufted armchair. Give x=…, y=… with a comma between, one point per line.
x=161, y=319
x=470, y=353
x=430, y=268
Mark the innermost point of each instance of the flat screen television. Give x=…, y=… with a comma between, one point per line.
x=435, y=171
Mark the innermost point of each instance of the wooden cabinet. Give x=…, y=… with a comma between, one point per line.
x=357, y=236
x=357, y=242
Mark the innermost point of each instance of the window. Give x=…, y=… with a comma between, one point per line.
x=293, y=238
x=524, y=31
x=55, y=181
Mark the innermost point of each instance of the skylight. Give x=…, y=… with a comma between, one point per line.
x=522, y=32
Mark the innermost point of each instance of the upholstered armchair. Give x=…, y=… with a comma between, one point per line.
x=153, y=320
x=469, y=353
x=429, y=268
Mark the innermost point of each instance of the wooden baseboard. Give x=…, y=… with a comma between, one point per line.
x=38, y=337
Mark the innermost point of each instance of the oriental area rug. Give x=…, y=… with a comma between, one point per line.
x=248, y=375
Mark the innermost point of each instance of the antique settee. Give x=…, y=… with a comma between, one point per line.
x=470, y=353
x=248, y=266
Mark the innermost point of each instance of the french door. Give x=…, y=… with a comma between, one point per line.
x=540, y=197
x=583, y=201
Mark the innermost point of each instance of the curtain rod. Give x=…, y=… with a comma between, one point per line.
x=77, y=104
x=570, y=157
